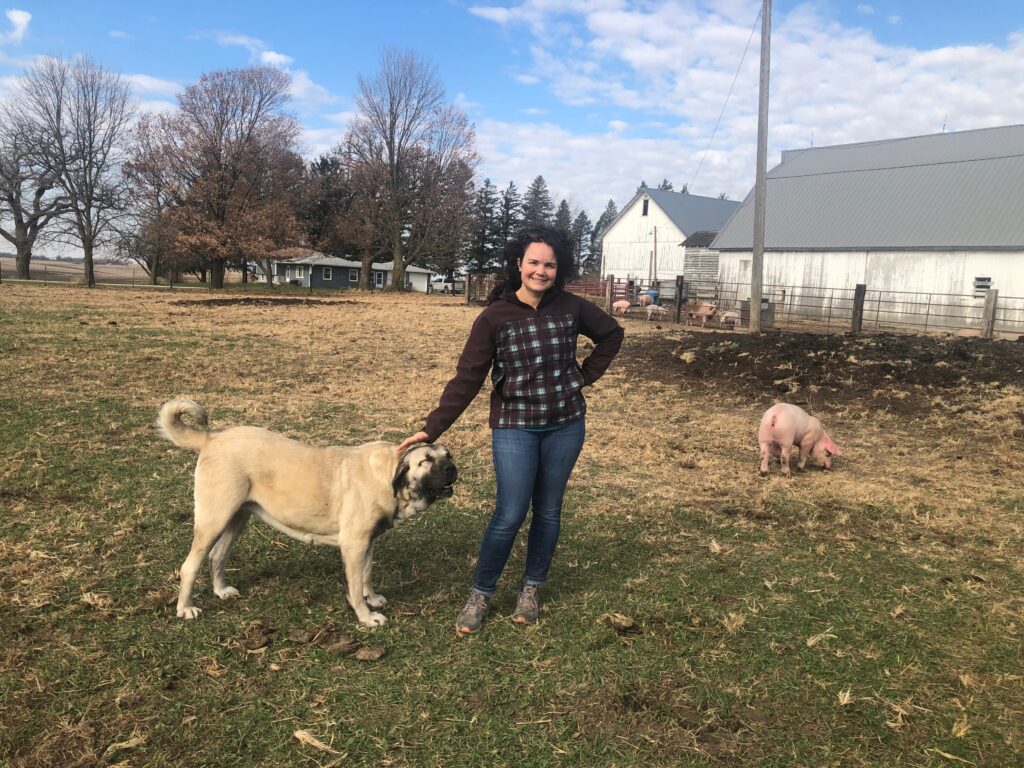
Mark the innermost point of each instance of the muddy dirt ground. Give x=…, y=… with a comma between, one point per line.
x=901, y=373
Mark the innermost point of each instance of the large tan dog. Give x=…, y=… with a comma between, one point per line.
x=343, y=496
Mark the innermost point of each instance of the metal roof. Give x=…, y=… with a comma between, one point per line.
x=691, y=213
x=946, y=190
x=333, y=261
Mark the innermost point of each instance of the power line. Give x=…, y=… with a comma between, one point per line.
x=726, y=104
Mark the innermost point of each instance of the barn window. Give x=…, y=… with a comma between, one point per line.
x=353, y=275
x=981, y=285
x=645, y=208
x=327, y=273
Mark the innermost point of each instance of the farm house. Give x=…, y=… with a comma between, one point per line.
x=924, y=222
x=648, y=239
x=318, y=270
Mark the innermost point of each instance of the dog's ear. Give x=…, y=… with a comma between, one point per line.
x=401, y=479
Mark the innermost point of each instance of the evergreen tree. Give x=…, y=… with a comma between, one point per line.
x=582, y=230
x=563, y=216
x=486, y=224
x=537, y=205
x=606, y=218
x=510, y=215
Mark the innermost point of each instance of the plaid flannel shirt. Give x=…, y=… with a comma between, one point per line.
x=531, y=354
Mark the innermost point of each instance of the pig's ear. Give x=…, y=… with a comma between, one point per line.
x=832, y=447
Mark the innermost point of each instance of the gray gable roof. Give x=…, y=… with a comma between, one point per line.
x=316, y=258
x=691, y=213
x=946, y=190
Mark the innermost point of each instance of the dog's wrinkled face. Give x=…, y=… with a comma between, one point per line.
x=427, y=472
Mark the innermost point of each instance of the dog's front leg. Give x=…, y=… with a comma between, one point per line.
x=373, y=599
x=354, y=556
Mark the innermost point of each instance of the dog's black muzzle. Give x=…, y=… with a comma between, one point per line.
x=441, y=481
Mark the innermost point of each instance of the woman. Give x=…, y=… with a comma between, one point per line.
x=526, y=337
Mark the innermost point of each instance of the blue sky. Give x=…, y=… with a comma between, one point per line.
x=593, y=94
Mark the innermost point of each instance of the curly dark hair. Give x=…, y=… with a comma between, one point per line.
x=561, y=243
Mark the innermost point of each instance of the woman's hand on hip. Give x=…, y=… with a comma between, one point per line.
x=419, y=437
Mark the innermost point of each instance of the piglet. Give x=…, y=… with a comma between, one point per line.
x=621, y=306
x=786, y=426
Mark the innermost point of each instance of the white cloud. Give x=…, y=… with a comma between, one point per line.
x=304, y=90
x=157, y=106
x=527, y=79
x=894, y=19
x=275, y=59
x=534, y=111
x=867, y=10
x=145, y=84
x=19, y=23
x=318, y=141
x=119, y=34
x=673, y=63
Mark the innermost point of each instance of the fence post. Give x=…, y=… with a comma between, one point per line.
x=469, y=286
x=988, y=317
x=610, y=292
x=678, y=309
x=858, y=307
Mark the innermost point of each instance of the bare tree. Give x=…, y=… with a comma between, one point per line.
x=146, y=235
x=77, y=115
x=420, y=149
x=29, y=197
x=233, y=160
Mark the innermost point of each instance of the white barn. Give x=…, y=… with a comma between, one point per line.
x=647, y=240
x=936, y=214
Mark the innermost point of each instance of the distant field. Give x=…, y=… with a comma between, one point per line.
x=70, y=272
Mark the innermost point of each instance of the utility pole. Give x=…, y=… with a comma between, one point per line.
x=654, y=277
x=757, y=256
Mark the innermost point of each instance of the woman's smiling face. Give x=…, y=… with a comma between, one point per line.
x=538, y=267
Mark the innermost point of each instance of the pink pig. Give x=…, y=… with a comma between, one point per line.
x=786, y=426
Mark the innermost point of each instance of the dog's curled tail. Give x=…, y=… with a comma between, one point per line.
x=192, y=436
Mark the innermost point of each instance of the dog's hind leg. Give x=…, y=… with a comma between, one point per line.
x=219, y=553
x=216, y=506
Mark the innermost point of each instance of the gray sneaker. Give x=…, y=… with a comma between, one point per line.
x=472, y=614
x=527, y=607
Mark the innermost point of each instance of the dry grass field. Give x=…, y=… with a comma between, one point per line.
x=697, y=614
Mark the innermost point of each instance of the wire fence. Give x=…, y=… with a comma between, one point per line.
x=709, y=302
x=795, y=307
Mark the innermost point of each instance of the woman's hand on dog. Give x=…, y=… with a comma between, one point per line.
x=419, y=437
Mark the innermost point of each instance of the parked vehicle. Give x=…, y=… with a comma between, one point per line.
x=443, y=284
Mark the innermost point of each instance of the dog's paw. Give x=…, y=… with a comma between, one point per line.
x=189, y=612
x=374, y=619
x=226, y=593
x=376, y=601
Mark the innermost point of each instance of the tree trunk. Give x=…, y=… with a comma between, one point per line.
x=398, y=273
x=245, y=271
x=364, y=273
x=217, y=274
x=268, y=268
x=23, y=260
x=90, y=272
x=154, y=265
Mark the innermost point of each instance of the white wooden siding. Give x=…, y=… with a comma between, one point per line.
x=628, y=246
x=926, y=272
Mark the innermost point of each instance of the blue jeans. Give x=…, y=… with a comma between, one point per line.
x=529, y=466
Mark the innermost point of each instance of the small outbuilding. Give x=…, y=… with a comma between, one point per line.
x=656, y=235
